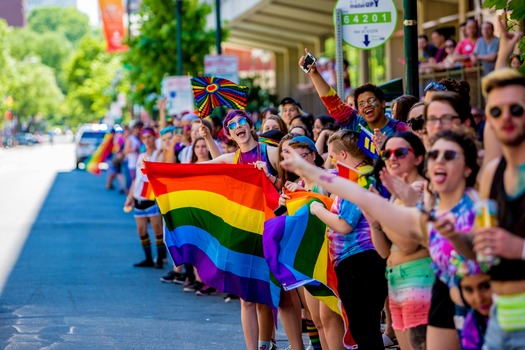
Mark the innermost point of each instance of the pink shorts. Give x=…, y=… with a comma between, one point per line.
x=409, y=292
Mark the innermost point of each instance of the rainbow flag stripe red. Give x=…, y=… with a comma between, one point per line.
x=215, y=217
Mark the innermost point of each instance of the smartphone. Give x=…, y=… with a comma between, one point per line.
x=280, y=210
x=178, y=130
x=308, y=61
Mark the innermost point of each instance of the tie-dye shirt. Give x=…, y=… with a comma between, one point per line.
x=449, y=264
x=347, y=117
x=342, y=246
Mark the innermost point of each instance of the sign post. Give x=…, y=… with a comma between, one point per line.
x=367, y=24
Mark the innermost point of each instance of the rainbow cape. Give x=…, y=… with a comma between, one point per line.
x=296, y=248
x=215, y=216
x=100, y=155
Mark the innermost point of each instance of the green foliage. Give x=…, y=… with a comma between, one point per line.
x=517, y=13
x=72, y=23
x=51, y=48
x=153, y=53
x=258, y=97
x=5, y=67
x=34, y=90
x=89, y=77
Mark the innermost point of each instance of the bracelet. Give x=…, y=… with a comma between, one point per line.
x=523, y=251
x=275, y=181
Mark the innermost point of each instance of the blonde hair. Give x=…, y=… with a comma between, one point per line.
x=501, y=78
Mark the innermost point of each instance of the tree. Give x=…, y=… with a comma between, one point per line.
x=152, y=54
x=5, y=67
x=34, y=90
x=66, y=20
x=517, y=14
x=90, y=80
x=52, y=49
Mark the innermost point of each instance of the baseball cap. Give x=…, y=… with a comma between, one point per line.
x=307, y=142
x=288, y=100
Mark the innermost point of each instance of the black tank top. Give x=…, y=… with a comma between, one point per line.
x=511, y=217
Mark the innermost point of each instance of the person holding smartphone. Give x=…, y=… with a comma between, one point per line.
x=370, y=102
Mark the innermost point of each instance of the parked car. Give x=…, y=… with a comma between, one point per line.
x=26, y=138
x=87, y=139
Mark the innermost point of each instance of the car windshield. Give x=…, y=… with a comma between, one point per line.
x=92, y=137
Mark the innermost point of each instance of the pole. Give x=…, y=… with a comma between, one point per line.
x=178, y=12
x=218, y=37
x=339, y=53
x=411, y=56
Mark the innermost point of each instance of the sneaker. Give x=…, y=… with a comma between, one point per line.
x=195, y=286
x=273, y=345
x=229, y=297
x=181, y=279
x=206, y=290
x=145, y=263
x=170, y=276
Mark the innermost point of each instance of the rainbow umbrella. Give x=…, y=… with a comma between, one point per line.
x=210, y=92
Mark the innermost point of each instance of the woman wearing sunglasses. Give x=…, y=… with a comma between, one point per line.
x=416, y=122
x=452, y=169
x=256, y=319
x=409, y=273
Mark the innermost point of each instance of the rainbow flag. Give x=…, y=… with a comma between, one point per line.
x=215, y=216
x=100, y=155
x=296, y=248
x=366, y=144
x=147, y=191
x=356, y=175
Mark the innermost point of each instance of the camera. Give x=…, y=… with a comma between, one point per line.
x=308, y=61
x=178, y=130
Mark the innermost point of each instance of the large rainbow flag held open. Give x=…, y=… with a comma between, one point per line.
x=296, y=248
x=100, y=155
x=215, y=216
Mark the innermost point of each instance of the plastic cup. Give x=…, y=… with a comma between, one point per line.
x=486, y=217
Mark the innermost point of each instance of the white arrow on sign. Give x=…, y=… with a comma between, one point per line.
x=367, y=23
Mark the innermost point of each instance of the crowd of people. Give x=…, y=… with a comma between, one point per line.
x=403, y=240
x=475, y=47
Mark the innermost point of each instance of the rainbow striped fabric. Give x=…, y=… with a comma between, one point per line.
x=100, y=155
x=215, y=216
x=296, y=248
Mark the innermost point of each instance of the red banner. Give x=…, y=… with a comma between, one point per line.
x=112, y=12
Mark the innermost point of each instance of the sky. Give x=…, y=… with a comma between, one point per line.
x=89, y=7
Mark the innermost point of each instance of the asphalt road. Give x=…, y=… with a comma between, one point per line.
x=66, y=275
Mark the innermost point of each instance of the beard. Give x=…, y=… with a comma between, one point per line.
x=514, y=141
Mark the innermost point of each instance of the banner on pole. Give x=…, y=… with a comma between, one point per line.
x=112, y=12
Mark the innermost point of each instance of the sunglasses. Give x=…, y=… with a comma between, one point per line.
x=372, y=101
x=400, y=153
x=515, y=109
x=435, y=86
x=447, y=155
x=416, y=123
x=241, y=122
